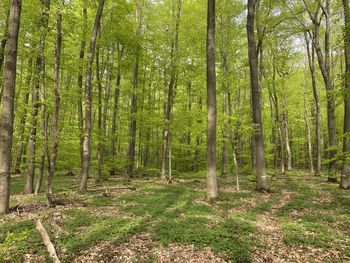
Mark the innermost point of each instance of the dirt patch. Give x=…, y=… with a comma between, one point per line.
x=140, y=248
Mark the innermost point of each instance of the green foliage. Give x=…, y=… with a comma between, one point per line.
x=17, y=239
x=233, y=237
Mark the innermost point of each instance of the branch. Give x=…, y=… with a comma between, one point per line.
x=47, y=242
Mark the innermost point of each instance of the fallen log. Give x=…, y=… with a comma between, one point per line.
x=47, y=242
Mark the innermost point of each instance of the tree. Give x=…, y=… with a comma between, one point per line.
x=345, y=176
x=39, y=72
x=311, y=60
x=172, y=85
x=132, y=141
x=55, y=133
x=88, y=120
x=256, y=100
x=80, y=85
x=7, y=109
x=212, y=190
x=324, y=62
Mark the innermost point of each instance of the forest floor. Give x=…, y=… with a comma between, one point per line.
x=303, y=219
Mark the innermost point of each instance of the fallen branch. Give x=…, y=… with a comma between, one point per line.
x=47, y=242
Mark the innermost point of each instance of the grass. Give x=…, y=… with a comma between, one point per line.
x=315, y=215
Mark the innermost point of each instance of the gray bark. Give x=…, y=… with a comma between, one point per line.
x=212, y=189
x=7, y=109
x=256, y=100
x=345, y=176
x=88, y=121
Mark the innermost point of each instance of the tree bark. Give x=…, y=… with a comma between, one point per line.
x=212, y=189
x=7, y=109
x=88, y=121
x=47, y=242
x=256, y=100
x=345, y=176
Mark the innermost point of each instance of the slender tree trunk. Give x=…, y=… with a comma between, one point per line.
x=212, y=189
x=132, y=142
x=99, y=117
x=198, y=140
x=115, y=105
x=146, y=155
x=224, y=107
x=21, y=146
x=308, y=135
x=88, y=121
x=55, y=132
x=252, y=138
x=286, y=134
x=345, y=176
x=173, y=79
x=7, y=109
x=273, y=129
x=170, y=165
x=256, y=100
x=311, y=59
x=80, y=86
x=39, y=72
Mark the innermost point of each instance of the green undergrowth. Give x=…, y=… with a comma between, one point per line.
x=308, y=212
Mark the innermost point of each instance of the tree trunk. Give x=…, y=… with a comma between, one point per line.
x=198, y=140
x=99, y=117
x=224, y=107
x=7, y=109
x=311, y=59
x=55, y=132
x=212, y=189
x=21, y=146
x=256, y=100
x=308, y=135
x=132, y=142
x=325, y=67
x=173, y=75
x=80, y=86
x=39, y=72
x=88, y=124
x=115, y=105
x=345, y=176
x=286, y=134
